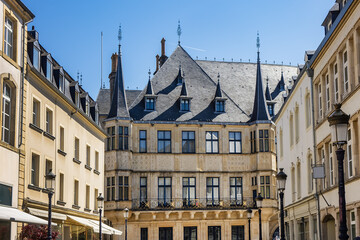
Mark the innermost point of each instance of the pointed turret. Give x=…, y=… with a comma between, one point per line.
x=260, y=111
x=118, y=107
x=218, y=93
x=179, y=77
x=149, y=88
x=267, y=91
x=183, y=89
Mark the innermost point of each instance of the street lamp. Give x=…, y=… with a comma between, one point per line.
x=281, y=182
x=338, y=122
x=249, y=211
x=50, y=186
x=126, y=215
x=259, y=200
x=100, y=201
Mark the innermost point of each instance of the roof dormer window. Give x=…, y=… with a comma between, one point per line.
x=329, y=25
x=76, y=98
x=185, y=105
x=36, y=57
x=219, y=105
x=150, y=103
x=61, y=83
x=48, y=70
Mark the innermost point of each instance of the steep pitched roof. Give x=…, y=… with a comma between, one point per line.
x=103, y=99
x=260, y=111
x=279, y=87
x=218, y=93
x=267, y=91
x=118, y=106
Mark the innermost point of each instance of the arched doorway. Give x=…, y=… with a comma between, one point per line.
x=329, y=227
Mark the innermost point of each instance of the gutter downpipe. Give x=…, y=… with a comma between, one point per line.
x=22, y=84
x=310, y=73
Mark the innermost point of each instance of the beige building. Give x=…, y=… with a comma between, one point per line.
x=63, y=135
x=334, y=74
x=13, y=19
x=189, y=153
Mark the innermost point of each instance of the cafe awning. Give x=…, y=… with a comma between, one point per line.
x=105, y=229
x=45, y=214
x=15, y=215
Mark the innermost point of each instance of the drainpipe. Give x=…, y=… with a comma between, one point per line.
x=22, y=84
x=310, y=73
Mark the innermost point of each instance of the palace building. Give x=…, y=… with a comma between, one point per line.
x=189, y=153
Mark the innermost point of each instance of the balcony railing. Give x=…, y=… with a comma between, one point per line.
x=197, y=203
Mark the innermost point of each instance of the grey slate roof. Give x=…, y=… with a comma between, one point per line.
x=103, y=99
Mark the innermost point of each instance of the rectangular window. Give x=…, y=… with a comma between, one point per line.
x=331, y=165
x=323, y=163
x=6, y=113
x=307, y=110
x=346, y=74
x=336, y=83
x=48, y=70
x=77, y=149
x=253, y=141
x=48, y=168
x=97, y=160
x=88, y=159
x=352, y=225
x=150, y=104
x=327, y=93
x=165, y=233
x=36, y=57
x=9, y=38
x=36, y=113
x=235, y=142
x=164, y=141
x=189, y=191
x=143, y=191
x=212, y=142
x=87, y=195
x=265, y=186
x=49, y=121
x=143, y=234
x=142, y=141
x=164, y=194
x=35, y=166
x=190, y=233
x=61, y=83
x=62, y=139
x=212, y=191
x=214, y=232
x=188, y=142
x=76, y=192
x=185, y=105
x=123, y=138
x=61, y=187
x=5, y=195
x=349, y=154
x=253, y=181
x=110, y=188
x=123, y=188
x=96, y=194
x=236, y=197
x=237, y=233
x=219, y=106
x=111, y=139
x=320, y=101
x=263, y=140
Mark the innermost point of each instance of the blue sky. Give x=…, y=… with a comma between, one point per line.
x=70, y=30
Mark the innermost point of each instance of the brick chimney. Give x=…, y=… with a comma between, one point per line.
x=163, y=57
x=114, y=62
x=157, y=63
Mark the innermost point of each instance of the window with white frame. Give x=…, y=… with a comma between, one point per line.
x=331, y=165
x=97, y=161
x=9, y=37
x=320, y=101
x=298, y=176
x=349, y=154
x=352, y=225
x=346, y=73
x=327, y=93
x=49, y=121
x=308, y=109
x=48, y=70
x=35, y=167
x=36, y=57
x=6, y=114
x=336, y=83
x=77, y=148
x=36, y=113
x=62, y=139
x=212, y=142
x=235, y=142
x=61, y=187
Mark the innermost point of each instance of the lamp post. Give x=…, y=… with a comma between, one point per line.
x=126, y=215
x=281, y=182
x=50, y=186
x=338, y=122
x=100, y=201
x=259, y=200
x=249, y=211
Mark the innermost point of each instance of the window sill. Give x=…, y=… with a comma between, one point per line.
x=76, y=161
x=36, y=128
x=48, y=135
x=88, y=167
x=87, y=210
x=45, y=190
x=33, y=187
x=95, y=211
x=61, y=152
x=61, y=203
x=75, y=206
x=10, y=60
x=96, y=172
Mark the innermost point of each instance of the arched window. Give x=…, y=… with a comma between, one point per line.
x=308, y=110
x=8, y=114
x=298, y=176
x=291, y=127
x=297, y=124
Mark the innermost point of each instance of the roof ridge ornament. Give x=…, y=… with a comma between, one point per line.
x=179, y=32
x=218, y=77
x=258, y=46
x=119, y=36
x=149, y=72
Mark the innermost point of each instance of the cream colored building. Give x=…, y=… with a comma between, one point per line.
x=189, y=153
x=334, y=71
x=63, y=135
x=13, y=19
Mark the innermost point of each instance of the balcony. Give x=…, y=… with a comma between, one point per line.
x=188, y=204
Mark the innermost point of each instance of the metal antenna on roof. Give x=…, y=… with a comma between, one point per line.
x=179, y=31
x=103, y=85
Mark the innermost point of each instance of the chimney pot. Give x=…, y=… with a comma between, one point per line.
x=163, y=47
x=114, y=59
x=157, y=62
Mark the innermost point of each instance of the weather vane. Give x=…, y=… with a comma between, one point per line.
x=258, y=41
x=119, y=34
x=179, y=31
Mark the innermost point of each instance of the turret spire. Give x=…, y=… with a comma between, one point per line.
x=258, y=46
x=179, y=31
